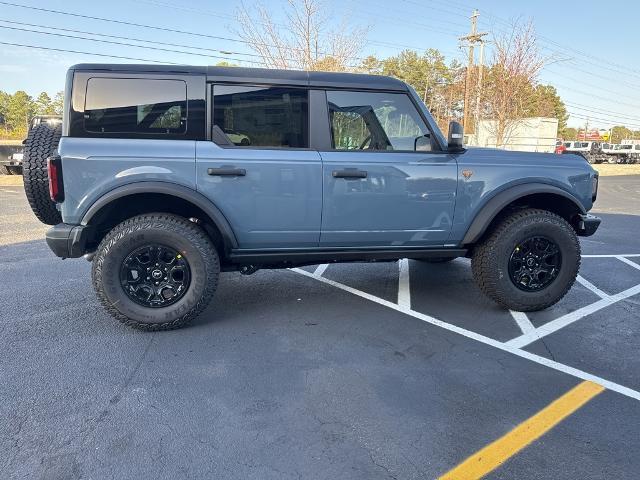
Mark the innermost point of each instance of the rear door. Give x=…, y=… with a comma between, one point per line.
x=385, y=181
x=258, y=168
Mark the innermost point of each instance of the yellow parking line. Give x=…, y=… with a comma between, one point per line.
x=498, y=452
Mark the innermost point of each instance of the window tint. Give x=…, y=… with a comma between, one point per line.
x=376, y=121
x=262, y=116
x=143, y=106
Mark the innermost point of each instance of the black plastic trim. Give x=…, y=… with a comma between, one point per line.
x=172, y=189
x=68, y=241
x=501, y=200
x=588, y=225
x=282, y=258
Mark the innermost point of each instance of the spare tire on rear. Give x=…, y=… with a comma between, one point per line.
x=41, y=143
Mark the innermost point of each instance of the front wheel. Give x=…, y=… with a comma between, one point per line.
x=155, y=271
x=529, y=261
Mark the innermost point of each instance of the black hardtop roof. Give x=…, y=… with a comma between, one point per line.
x=257, y=75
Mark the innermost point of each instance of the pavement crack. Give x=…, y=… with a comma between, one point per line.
x=383, y=467
x=553, y=357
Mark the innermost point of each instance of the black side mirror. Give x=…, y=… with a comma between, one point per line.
x=456, y=137
x=423, y=143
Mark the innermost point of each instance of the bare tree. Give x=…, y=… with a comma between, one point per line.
x=513, y=74
x=305, y=41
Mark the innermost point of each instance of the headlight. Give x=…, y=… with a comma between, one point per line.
x=594, y=188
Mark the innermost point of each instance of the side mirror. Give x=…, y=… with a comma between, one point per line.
x=456, y=137
x=423, y=143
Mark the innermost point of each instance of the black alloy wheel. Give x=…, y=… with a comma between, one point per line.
x=535, y=263
x=155, y=276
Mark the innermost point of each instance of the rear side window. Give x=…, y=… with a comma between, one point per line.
x=376, y=121
x=135, y=106
x=262, y=116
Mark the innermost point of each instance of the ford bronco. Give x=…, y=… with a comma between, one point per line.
x=164, y=176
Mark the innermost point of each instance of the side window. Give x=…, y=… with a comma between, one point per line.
x=262, y=116
x=376, y=121
x=135, y=106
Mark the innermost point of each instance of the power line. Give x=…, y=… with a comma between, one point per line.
x=86, y=53
x=604, y=120
x=119, y=37
x=111, y=42
x=599, y=111
x=132, y=24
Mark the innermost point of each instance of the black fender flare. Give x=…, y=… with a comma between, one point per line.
x=499, y=201
x=172, y=189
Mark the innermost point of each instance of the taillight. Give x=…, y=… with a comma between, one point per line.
x=56, y=187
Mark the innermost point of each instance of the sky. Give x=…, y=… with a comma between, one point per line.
x=592, y=54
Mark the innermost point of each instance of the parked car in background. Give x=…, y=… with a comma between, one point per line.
x=12, y=164
x=589, y=150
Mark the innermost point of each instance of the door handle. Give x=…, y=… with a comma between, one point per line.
x=227, y=172
x=349, y=173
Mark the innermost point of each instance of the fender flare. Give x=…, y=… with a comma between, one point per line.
x=499, y=201
x=172, y=189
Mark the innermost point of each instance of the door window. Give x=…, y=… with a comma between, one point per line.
x=376, y=121
x=262, y=116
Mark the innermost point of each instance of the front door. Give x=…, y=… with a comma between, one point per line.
x=385, y=183
x=265, y=179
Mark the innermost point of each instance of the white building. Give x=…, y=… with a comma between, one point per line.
x=536, y=134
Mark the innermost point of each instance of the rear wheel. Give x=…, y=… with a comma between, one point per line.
x=529, y=261
x=42, y=142
x=155, y=271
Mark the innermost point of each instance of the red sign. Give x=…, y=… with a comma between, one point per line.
x=592, y=135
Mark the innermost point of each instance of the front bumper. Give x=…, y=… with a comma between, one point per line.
x=587, y=225
x=68, y=241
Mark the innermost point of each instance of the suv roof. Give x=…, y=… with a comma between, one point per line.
x=259, y=75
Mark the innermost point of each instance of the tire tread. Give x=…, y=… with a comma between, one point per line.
x=483, y=262
x=174, y=223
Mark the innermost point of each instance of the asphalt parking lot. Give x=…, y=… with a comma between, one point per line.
x=358, y=371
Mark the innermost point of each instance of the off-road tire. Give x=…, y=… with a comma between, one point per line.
x=42, y=142
x=170, y=230
x=4, y=170
x=490, y=261
x=437, y=259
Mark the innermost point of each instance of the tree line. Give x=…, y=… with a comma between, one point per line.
x=17, y=110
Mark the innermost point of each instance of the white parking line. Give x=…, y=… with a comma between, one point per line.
x=586, y=283
x=320, y=269
x=628, y=262
x=481, y=338
x=569, y=318
x=523, y=321
x=612, y=255
x=404, y=290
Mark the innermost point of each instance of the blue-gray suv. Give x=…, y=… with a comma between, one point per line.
x=164, y=176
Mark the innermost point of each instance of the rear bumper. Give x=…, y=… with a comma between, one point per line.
x=68, y=241
x=587, y=225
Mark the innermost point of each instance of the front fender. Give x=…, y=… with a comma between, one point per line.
x=498, y=202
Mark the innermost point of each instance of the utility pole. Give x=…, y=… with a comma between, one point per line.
x=586, y=127
x=479, y=88
x=470, y=41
